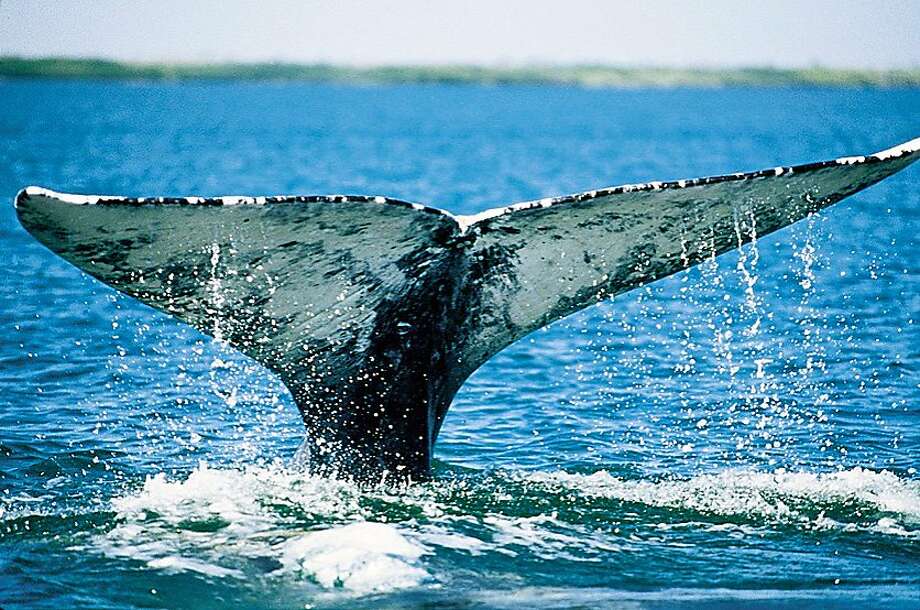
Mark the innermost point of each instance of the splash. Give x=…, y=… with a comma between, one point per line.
x=360, y=557
x=879, y=501
x=746, y=230
x=215, y=291
x=222, y=522
x=270, y=522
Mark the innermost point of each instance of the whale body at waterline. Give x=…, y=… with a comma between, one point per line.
x=373, y=311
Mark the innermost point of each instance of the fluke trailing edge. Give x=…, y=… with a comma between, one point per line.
x=374, y=311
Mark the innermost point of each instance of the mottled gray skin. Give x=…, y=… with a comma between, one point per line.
x=374, y=312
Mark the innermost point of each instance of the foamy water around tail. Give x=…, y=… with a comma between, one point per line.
x=280, y=524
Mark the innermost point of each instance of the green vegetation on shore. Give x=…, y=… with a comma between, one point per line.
x=586, y=75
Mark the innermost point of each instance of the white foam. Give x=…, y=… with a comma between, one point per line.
x=224, y=523
x=445, y=538
x=361, y=557
x=764, y=494
x=548, y=538
x=173, y=564
x=224, y=517
x=238, y=496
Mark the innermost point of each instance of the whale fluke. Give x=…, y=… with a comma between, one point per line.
x=374, y=311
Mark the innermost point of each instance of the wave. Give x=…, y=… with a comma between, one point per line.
x=780, y=496
x=337, y=536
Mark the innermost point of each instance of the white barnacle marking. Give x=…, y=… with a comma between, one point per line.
x=37, y=191
x=850, y=160
x=901, y=149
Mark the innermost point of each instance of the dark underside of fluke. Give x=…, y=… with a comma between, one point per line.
x=374, y=311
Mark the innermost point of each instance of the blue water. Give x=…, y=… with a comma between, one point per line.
x=746, y=433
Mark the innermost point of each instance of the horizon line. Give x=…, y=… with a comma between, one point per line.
x=573, y=74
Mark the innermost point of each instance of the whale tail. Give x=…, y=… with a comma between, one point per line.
x=374, y=311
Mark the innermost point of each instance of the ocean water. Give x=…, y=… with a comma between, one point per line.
x=743, y=434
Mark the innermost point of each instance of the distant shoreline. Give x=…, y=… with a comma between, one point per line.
x=576, y=75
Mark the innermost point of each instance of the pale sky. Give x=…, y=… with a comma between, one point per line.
x=783, y=33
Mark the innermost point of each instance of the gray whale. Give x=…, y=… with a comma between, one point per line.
x=374, y=311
